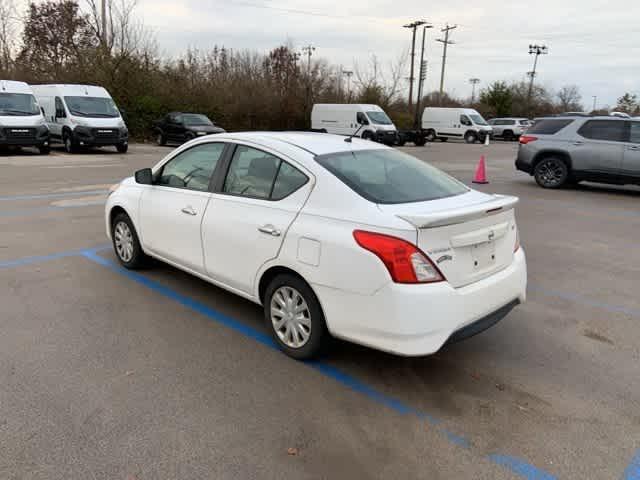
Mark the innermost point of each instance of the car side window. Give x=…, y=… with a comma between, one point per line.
x=193, y=168
x=634, y=133
x=251, y=173
x=362, y=119
x=60, y=113
x=510, y=122
x=609, y=130
x=464, y=120
x=289, y=180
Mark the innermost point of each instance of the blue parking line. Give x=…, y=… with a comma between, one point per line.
x=517, y=466
x=45, y=196
x=633, y=470
x=54, y=256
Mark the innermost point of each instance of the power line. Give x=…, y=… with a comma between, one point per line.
x=446, y=43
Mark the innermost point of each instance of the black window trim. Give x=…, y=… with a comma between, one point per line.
x=218, y=187
x=214, y=174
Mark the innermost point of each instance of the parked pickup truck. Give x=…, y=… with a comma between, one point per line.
x=181, y=127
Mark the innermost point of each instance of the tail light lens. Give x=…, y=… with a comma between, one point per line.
x=405, y=262
x=524, y=139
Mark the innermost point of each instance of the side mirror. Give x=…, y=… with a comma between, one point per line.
x=144, y=176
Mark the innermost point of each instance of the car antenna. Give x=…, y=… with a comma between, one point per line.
x=348, y=139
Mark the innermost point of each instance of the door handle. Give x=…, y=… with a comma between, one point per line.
x=189, y=210
x=634, y=147
x=578, y=143
x=269, y=230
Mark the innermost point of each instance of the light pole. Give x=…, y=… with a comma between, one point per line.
x=412, y=26
x=348, y=74
x=595, y=101
x=473, y=82
x=535, y=50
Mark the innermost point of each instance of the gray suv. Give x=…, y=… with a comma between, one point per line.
x=509, y=128
x=559, y=151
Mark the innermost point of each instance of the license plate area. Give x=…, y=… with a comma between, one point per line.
x=483, y=255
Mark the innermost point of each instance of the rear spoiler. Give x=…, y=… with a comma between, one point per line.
x=499, y=204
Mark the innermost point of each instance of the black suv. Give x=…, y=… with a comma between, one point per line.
x=181, y=127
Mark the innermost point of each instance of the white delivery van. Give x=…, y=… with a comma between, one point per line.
x=21, y=120
x=369, y=121
x=445, y=123
x=82, y=116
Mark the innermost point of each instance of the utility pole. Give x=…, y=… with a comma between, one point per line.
x=348, y=74
x=103, y=18
x=309, y=49
x=473, y=82
x=536, y=50
x=446, y=43
x=423, y=76
x=412, y=26
x=595, y=101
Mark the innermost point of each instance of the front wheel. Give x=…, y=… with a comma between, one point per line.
x=161, y=139
x=420, y=142
x=470, y=137
x=126, y=243
x=430, y=136
x=551, y=172
x=69, y=144
x=122, y=147
x=294, y=317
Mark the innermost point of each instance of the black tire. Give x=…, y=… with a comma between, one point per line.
x=122, y=147
x=161, y=140
x=44, y=150
x=401, y=143
x=318, y=336
x=444, y=139
x=508, y=136
x=367, y=136
x=137, y=259
x=551, y=172
x=470, y=137
x=420, y=142
x=430, y=136
x=69, y=145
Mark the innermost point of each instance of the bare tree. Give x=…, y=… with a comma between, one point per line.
x=377, y=86
x=569, y=99
x=8, y=35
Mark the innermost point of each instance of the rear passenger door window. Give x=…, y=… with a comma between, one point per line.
x=634, y=133
x=606, y=130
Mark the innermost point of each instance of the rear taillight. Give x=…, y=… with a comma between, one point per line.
x=405, y=262
x=524, y=139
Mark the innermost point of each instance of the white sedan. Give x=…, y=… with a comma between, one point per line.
x=334, y=238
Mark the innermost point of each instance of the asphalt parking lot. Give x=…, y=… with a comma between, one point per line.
x=107, y=374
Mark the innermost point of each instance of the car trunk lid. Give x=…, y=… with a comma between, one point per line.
x=468, y=237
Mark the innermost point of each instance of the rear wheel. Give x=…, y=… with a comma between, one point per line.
x=126, y=243
x=430, y=136
x=294, y=317
x=69, y=144
x=160, y=139
x=470, y=137
x=551, y=172
x=507, y=135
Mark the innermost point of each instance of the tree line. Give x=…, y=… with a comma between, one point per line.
x=65, y=42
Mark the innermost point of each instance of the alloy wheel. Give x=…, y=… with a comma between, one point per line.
x=123, y=240
x=551, y=173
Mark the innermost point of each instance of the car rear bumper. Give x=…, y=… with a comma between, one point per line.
x=414, y=320
x=523, y=166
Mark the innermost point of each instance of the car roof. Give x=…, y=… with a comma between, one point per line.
x=13, y=86
x=311, y=142
x=583, y=117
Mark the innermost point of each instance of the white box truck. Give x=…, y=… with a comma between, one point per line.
x=21, y=121
x=82, y=116
x=464, y=123
x=370, y=121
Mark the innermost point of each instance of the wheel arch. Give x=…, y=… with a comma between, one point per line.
x=562, y=155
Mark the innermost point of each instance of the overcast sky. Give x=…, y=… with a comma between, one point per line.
x=592, y=43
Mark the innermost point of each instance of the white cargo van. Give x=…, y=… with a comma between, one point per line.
x=21, y=120
x=445, y=123
x=82, y=116
x=347, y=118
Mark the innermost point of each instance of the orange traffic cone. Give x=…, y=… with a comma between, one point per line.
x=481, y=174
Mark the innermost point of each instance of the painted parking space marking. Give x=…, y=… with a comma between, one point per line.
x=633, y=470
x=46, y=196
x=27, y=212
x=513, y=464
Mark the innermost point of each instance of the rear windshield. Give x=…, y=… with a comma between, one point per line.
x=549, y=127
x=390, y=176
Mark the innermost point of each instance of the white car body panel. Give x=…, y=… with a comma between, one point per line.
x=360, y=301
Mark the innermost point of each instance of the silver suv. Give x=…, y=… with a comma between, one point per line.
x=558, y=151
x=509, y=128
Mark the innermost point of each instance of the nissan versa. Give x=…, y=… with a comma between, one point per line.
x=333, y=236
